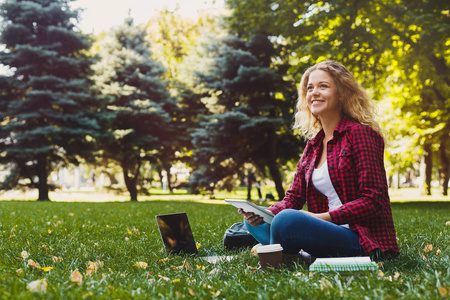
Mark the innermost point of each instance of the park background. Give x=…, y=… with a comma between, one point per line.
x=196, y=101
x=174, y=109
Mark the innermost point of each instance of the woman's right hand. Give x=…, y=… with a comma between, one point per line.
x=251, y=218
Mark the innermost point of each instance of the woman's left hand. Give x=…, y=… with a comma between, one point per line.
x=251, y=218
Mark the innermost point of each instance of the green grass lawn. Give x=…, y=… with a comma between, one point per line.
x=116, y=236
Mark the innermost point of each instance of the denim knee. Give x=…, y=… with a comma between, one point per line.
x=284, y=220
x=286, y=217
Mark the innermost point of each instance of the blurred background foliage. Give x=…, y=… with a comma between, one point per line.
x=215, y=94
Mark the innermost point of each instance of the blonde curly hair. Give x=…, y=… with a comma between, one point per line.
x=354, y=101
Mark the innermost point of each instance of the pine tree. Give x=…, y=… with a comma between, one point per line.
x=140, y=105
x=49, y=118
x=248, y=124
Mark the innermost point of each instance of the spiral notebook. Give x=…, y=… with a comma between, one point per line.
x=343, y=264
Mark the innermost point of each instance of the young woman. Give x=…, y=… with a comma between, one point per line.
x=340, y=176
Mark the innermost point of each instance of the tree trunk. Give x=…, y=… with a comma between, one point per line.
x=169, y=180
x=130, y=177
x=272, y=165
x=42, y=175
x=444, y=170
x=428, y=167
x=159, y=171
x=276, y=177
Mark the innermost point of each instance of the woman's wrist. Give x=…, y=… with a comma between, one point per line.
x=324, y=216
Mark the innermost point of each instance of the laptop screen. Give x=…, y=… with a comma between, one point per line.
x=176, y=233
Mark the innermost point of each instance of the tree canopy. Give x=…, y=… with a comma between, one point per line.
x=140, y=107
x=48, y=116
x=248, y=121
x=216, y=93
x=398, y=50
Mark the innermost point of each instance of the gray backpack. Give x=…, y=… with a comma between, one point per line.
x=238, y=238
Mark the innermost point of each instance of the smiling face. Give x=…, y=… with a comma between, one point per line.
x=322, y=95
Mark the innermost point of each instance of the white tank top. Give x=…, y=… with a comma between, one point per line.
x=322, y=182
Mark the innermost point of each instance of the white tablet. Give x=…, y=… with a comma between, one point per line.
x=251, y=207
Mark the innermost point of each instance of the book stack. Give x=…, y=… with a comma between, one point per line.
x=343, y=264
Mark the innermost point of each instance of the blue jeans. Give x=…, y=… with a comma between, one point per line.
x=296, y=230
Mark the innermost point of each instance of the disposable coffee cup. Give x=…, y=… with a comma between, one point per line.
x=270, y=256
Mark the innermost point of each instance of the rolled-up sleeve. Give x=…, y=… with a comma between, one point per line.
x=295, y=196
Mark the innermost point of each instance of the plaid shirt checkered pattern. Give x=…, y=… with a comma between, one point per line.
x=356, y=168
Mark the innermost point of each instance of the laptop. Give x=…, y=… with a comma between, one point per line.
x=178, y=238
x=176, y=234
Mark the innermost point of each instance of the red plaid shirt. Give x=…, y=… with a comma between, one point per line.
x=355, y=164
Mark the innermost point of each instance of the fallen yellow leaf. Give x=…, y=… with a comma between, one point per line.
x=93, y=267
x=136, y=231
x=191, y=292
x=444, y=292
x=428, y=248
x=39, y=285
x=76, y=277
x=141, y=265
x=33, y=265
x=46, y=269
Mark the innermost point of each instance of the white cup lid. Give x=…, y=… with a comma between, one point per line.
x=269, y=248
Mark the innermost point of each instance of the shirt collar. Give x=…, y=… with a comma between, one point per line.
x=340, y=128
x=343, y=124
